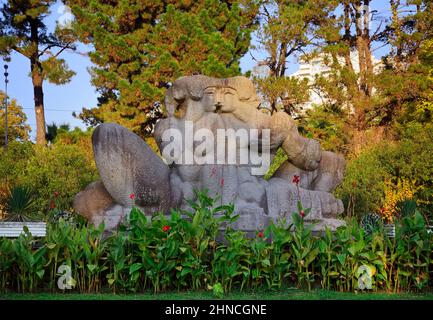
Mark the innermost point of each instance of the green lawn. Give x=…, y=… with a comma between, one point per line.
x=201, y=295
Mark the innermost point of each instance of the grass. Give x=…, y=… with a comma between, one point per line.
x=203, y=295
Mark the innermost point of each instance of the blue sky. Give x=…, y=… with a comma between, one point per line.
x=61, y=101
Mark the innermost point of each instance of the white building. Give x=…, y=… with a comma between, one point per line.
x=316, y=67
x=261, y=70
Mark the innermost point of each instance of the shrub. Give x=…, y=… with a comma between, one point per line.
x=20, y=205
x=61, y=169
x=410, y=158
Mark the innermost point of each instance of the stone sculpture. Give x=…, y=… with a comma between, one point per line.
x=200, y=106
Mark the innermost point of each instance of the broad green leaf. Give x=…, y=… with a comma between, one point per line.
x=266, y=262
x=40, y=273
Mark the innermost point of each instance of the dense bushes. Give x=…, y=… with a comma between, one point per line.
x=410, y=158
x=60, y=169
x=184, y=252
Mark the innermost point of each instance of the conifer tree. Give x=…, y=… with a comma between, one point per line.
x=141, y=47
x=287, y=30
x=22, y=29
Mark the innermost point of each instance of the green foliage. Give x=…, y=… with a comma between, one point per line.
x=363, y=186
x=289, y=28
x=140, y=48
x=28, y=264
x=63, y=169
x=23, y=29
x=218, y=290
x=371, y=223
x=18, y=23
x=20, y=205
x=279, y=159
x=53, y=130
x=409, y=158
x=18, y=129
x=56, y=71
x=407, y=207
x=184, y=251
x=284, y=93
x=326, y=123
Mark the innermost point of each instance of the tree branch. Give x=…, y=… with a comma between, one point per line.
x=47, y=48
x=63, y=49
x=17, y=49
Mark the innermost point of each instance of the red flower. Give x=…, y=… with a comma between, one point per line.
x=132, y=196
x=52, y=205
x=166, y=228
x=260, y=234
x=222, y=182
x=302, y=213
x=296, y=179
x=56, y=194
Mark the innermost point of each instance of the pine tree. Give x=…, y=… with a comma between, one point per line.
x=375, y=99
x=405, y=85
x=141, y=47
x=22, y=29
x=287, y=30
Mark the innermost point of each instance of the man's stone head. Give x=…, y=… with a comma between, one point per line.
x=190, y=97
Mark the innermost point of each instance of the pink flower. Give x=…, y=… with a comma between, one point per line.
x=302, y=213
x=296, y=179
x=222, y=182
x=132, y=196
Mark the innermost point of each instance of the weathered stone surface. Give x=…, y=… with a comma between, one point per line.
x=282, y=200
x=332, y=224
x=325, y=178
x=111, y=217
x=198, y=104
x=330, y=172
x=93, y=201
x=127, y=165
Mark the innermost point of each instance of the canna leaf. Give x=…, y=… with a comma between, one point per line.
x=266, y=262
x=51, y=245
x=91, y=267
x=135, y=267
x=40, y=273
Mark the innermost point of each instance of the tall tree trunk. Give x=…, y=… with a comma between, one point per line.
x=351, y=85
x=360, y=45
x=281, y=68
x=347, y=37
x=396, y=25
x=367, y=48
x=37, y=80
x=359, y=41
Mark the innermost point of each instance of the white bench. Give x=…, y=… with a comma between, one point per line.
x=14, y=229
